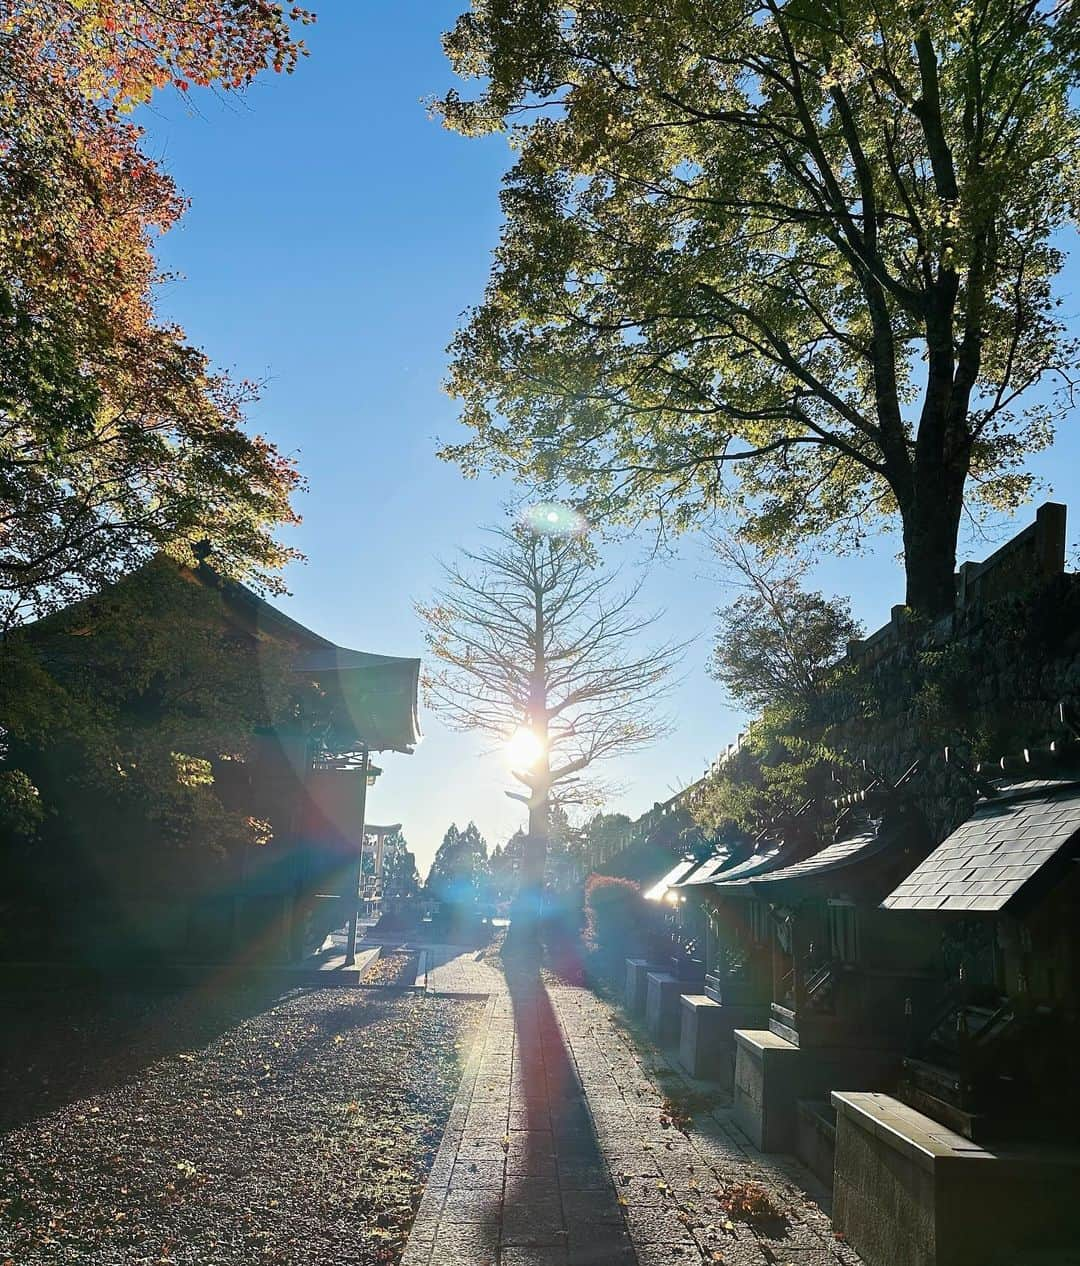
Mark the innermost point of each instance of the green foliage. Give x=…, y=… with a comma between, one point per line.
x=988, y=690
x=791, y=259
x=782, y=764
x=20, y=804
x=459, y=873
x=399, y=877
x=119, y=713
x=776, y=642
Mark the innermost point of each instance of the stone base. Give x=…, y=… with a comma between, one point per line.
x=637, y=976
x=706, y=1036
x=662, y=993
x=815, y=1137
x=909, y=1191
x=772, y=1074
x=766, y=1088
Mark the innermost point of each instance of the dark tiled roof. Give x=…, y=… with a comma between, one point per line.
x=987, y=862
x=833, y=857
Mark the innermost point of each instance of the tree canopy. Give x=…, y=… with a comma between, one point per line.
x=399, y=874
x=788, y=259
x=777, y=639
x=116, y=436
x=459, y=871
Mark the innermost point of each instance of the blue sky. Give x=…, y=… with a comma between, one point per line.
x=335, y=235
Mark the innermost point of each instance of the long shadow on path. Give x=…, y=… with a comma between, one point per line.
x=524, y=1182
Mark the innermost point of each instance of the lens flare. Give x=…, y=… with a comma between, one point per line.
x=524, y=748
x=552, y=518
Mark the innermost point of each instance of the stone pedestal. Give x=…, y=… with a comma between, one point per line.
x=662, y=992
x=773, y=1072
x=766, y=1089
x=909, y=1192
x=706, y=1036
x=637, y=978
x=815, y=1141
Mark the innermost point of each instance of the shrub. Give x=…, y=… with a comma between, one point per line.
x=617, y=922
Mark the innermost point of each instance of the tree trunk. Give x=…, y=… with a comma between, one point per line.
x=931, y=526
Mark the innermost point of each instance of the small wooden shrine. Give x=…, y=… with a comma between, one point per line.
x=993, y=1059
x=976, y=1156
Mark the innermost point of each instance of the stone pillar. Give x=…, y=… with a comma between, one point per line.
x=637, y=979
x=766, y=1089
x=662, y=993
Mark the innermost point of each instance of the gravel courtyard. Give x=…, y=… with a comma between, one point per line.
x=221, y=1127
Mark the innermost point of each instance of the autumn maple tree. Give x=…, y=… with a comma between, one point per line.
x=117, y=437
x=792, y=260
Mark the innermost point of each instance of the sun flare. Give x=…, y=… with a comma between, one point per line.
x=524, y=748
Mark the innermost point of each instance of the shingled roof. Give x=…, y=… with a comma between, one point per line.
x=659, y=889
x=998, y=858
x=756, y=862
x=707, y=869
x=836, y=856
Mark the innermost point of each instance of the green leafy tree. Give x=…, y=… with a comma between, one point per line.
x=606, y=835
x=776, y=641
x=505, y=866
x=789, y=259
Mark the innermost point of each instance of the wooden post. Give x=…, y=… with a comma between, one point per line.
x=799, y=953
x=354, y=892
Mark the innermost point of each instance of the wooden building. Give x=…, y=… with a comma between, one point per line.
x=107, y=898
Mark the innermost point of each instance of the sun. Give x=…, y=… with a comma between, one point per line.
x=524, y=748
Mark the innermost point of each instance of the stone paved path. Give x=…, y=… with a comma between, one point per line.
x=558, y=1152
x=450, y=969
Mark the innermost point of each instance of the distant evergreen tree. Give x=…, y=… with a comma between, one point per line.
x=400, y=877
x=460, y=872
x=504, y=866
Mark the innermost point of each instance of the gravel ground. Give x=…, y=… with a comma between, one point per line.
x=397, y=968
x=222, y=1127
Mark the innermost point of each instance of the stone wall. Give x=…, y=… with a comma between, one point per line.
x=984, y=682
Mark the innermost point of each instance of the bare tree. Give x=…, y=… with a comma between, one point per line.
x=529, y=634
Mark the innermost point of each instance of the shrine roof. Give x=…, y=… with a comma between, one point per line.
x=999, y=857
x=840, y=855
x=708, y=868
x=753, y=865
x=377, y=695
x=659, y=890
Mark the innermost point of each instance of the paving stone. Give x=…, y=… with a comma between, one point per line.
x=585, y=1209
x=656, y=1224
x=472, y=1204
x=531, y=1165
x=601, y=1248
x=477, y=1173
x=532, y=1255
x=553, y=1059
x=534, y=1222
